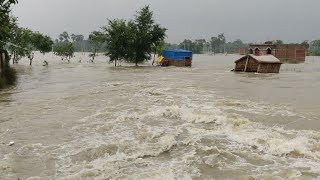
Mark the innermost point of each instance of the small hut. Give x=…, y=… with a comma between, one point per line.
x=180, y=58
x=259, y=64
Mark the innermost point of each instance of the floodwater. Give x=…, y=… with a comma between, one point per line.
x=95, y=121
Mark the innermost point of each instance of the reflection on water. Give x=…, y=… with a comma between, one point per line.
x=96, y=121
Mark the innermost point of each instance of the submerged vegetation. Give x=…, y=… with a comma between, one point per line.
x=23, y=43
x=132, y=41
x=17, y=42
x=65, y=50
x=96, y=38
x=7, y=74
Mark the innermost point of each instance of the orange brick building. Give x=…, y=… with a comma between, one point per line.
x=284, y=52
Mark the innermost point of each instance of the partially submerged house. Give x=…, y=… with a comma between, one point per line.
x=259, y=64
x=284, y=52
x=180, y=58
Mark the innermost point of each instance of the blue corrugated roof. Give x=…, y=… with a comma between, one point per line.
x=177, y=54
x=178, y=50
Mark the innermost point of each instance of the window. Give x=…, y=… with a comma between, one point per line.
x=257, y=51
x=269, y=51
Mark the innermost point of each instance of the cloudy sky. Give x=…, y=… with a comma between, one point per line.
x=249, y=20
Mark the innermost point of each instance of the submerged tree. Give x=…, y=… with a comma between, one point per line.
x=158, y=48
x=7, y=74
x=135, y=40
x=42, y=43
x=20, y=42
x=146, y=35
x=118, y=37
x=65, y=50
x=64, y=37
x=218, y=43
x=23, y=42
x=97, y=39
x=5, y=24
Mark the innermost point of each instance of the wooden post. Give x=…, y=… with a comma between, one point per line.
x=245, y=68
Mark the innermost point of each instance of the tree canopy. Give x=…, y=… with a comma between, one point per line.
x=218, y=43
x=5, y=20
x=64, y=49
x=133, y=40
x=23, y=42
x=97, y=39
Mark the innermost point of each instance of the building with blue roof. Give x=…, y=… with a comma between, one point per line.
x=178, y=57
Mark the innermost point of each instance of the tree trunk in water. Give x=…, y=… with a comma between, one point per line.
x=14, y=57
x=154, y=57
x=94, y=53
x=115, y=63
x=30, y=62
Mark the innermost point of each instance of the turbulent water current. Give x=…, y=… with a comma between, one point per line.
x=95, y=121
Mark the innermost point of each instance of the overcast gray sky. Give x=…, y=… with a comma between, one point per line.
x=249, y=20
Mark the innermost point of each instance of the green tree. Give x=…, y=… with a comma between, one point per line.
x=146, y=35
x=234, y=46
x=64, y=37
x=79, y=42
x=315, y=47
x=158, y=50
x=187, y=45
x=20, y=42
x=23, y=42
x=199, y=46
x=117, y=38
x=65, y=50
x=40, y=42
x=158, y=40
x=8, y=74
x=278, y=42
x=97, y=39
x=218, y=43
x=134, y=40
x=5, y=23
x=306, y=44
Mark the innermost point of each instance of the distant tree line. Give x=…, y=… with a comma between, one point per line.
x=79, y=42
x=216, y=44
x=219, y=44
x=314, y=48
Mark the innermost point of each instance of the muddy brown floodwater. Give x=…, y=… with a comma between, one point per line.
x=94, y=121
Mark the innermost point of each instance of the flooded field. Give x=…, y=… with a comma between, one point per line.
x=95, y=121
